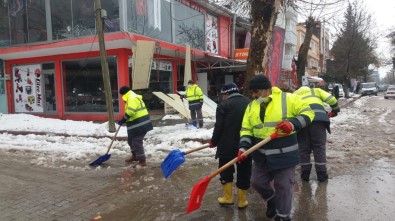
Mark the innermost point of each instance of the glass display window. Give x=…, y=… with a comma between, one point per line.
x=150, y=18
x=83, y=87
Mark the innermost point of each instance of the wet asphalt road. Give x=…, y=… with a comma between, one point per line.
x=358, y=189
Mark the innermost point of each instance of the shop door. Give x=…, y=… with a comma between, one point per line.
x=49, y=91
x=3, y=95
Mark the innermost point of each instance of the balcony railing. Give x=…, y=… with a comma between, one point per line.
x=290, y=38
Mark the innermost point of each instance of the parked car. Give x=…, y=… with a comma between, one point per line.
x=369, y=88
x=341, y=91
x=390, y=93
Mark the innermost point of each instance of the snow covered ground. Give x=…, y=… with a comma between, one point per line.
x=83, y=143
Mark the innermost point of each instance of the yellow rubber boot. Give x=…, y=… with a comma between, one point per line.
x=227, y=199
x=242, y=198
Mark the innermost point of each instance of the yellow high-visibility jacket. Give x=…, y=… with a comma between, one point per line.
x=281, y=152
x=136, y=114
x=316, y=97
x=194, y=95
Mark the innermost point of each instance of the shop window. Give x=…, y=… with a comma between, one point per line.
x=150, y=18
x=83, y=86
x=31, y=90
x=189, y=26
x=5, y=39
x=161, y=79
x=73, y=18
x=26, y=21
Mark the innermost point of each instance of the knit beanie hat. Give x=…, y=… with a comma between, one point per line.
x=229, y=88
x=260, y=82
x=124, y=89
x=191, y=82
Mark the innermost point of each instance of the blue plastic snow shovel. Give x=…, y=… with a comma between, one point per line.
x=175, y=159
x=106, y=156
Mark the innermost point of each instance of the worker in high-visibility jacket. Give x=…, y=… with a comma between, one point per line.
x=313, y=137
x=273, y=110
x=138, y=124
x=194, y=95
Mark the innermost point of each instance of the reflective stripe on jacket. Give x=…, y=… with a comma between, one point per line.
x=194, y=95
x=136, y=114
x=282, y=152
x=316, y=97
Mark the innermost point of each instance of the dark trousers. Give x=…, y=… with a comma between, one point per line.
x=243, y=172
x=282, y=193
x=136, y=145
x=197, y=113
x=313, y=139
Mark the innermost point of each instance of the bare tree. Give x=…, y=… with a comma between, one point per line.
x=315, y=12
x=263, y=14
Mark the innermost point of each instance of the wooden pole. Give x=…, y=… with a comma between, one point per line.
x=104, y=66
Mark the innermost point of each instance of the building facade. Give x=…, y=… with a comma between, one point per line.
x=313, y=57
x=50, y=60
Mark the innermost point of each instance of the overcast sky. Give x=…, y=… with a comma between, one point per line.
x=383, y=13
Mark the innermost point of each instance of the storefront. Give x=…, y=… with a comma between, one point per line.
x=54, y=65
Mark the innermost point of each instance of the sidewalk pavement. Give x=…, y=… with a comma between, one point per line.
x=156, y=118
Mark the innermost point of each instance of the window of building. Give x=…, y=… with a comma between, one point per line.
x=302, y=38
x=22, y=22
x=76, y=18
x=5, y=39
x=150, y=18
x=34, y=88
x=161, y=79
x=189, y=26
x=83, y=87
x=72, y=18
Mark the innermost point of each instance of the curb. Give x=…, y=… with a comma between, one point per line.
x=59, y=134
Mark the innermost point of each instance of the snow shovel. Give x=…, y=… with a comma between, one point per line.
x=175, y=159
x=189, y=122
x=197, y=193
x=106, y=156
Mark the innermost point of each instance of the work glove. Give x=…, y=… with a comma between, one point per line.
x=211, y=144
x=274, y=135
x=240, y=156
x=201, y=104
x=285, y=127
x=122, y=121
x=332, y=114
x=181, y=96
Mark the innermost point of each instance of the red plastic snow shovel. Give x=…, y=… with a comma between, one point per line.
x=106, y=156
x=175, y=159
x=198, y=190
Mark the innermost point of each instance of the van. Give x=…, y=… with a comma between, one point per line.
x=369, y=88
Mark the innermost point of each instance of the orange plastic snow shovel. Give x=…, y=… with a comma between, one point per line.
x=106, y=156
x=198, y=190
x=175, y=159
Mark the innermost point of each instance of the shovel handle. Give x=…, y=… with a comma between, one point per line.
x=113, y=138
x=196, y=149
x=248, y=152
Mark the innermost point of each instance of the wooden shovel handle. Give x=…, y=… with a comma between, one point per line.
x=113, y=138
x=196, y=149
x=248, y=152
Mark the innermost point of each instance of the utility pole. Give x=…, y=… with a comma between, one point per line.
x=104, y=65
